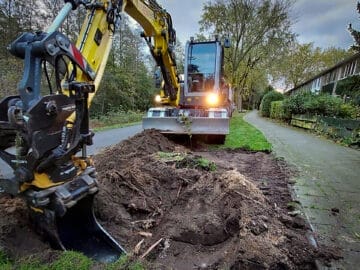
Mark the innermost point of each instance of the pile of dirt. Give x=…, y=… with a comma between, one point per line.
x=17, y=238
x=235, y=217
x=220, y=209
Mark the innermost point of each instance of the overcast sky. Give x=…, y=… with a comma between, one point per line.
x=323, y=22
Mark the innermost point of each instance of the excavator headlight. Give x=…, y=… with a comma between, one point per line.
x=212, y=99
x=157, y=99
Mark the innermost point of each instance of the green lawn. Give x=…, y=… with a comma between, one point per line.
x=116, y=120
x=245, y=136
x=69, y=260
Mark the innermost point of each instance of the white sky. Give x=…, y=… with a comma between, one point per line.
x=323, y=22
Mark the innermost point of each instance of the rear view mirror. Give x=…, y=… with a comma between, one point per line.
x=227, y=43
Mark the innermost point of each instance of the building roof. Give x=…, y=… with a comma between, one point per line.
x=326, y=71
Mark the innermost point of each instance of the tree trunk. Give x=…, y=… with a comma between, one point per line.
x=239, y=101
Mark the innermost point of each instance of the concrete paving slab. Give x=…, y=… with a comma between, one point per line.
x=310, y=191
x=329, y=178
x=325, y=217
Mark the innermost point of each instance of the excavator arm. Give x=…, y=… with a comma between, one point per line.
x=158, y=33
x=51, y=168
x=160, y=36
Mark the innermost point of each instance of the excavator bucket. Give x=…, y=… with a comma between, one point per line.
x=195, y=126
x=78, y=230
x=214, y=121
x=68, y=222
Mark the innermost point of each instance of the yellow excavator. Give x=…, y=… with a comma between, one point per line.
x=51, y=168
x=203, y=106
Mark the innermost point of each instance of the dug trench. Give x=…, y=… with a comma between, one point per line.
x=178, y=208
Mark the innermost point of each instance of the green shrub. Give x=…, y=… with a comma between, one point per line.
x=328, y=105
x=295, y=104
x=266, y=102
x=348, y=110
x=311, y=105
x=324, y=105
x=277, y=110
x=114, y=118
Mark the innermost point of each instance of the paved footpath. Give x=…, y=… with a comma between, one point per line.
x=328, y=185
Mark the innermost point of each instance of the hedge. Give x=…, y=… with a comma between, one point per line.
x=265, y=105
x=277, y=110
x=323, y=105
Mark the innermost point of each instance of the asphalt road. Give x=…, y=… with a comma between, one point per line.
x=328, y=184
x=113, y=136
x=101, y=140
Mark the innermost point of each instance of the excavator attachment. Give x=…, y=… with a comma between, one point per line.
x=50, y=131
x=58, y=186
x=79, y=230
x=173, y=121
x=64, y=216
x=194, y=126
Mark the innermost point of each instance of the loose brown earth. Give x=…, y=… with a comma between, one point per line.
x=235, y=217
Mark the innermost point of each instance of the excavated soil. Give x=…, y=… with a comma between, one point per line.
x=231, y=213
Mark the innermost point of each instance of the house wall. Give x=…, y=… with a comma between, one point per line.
x=327, y=80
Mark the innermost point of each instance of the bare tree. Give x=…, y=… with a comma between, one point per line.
x=355, y=33
x=258, y=29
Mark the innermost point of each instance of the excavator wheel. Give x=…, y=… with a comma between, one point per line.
x=67, y=220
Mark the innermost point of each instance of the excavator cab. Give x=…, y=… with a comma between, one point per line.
x=204, y=104
x=202, y=74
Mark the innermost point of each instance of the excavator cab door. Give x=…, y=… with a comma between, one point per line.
x=202, y=73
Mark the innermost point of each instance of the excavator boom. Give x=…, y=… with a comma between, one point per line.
x=160, y=37
x=51, y=168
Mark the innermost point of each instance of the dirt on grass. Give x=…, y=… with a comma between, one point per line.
x=205, y=209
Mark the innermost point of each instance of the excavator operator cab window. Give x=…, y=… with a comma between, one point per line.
x=201, y=67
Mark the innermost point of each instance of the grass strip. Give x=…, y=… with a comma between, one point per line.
x=245, y=136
